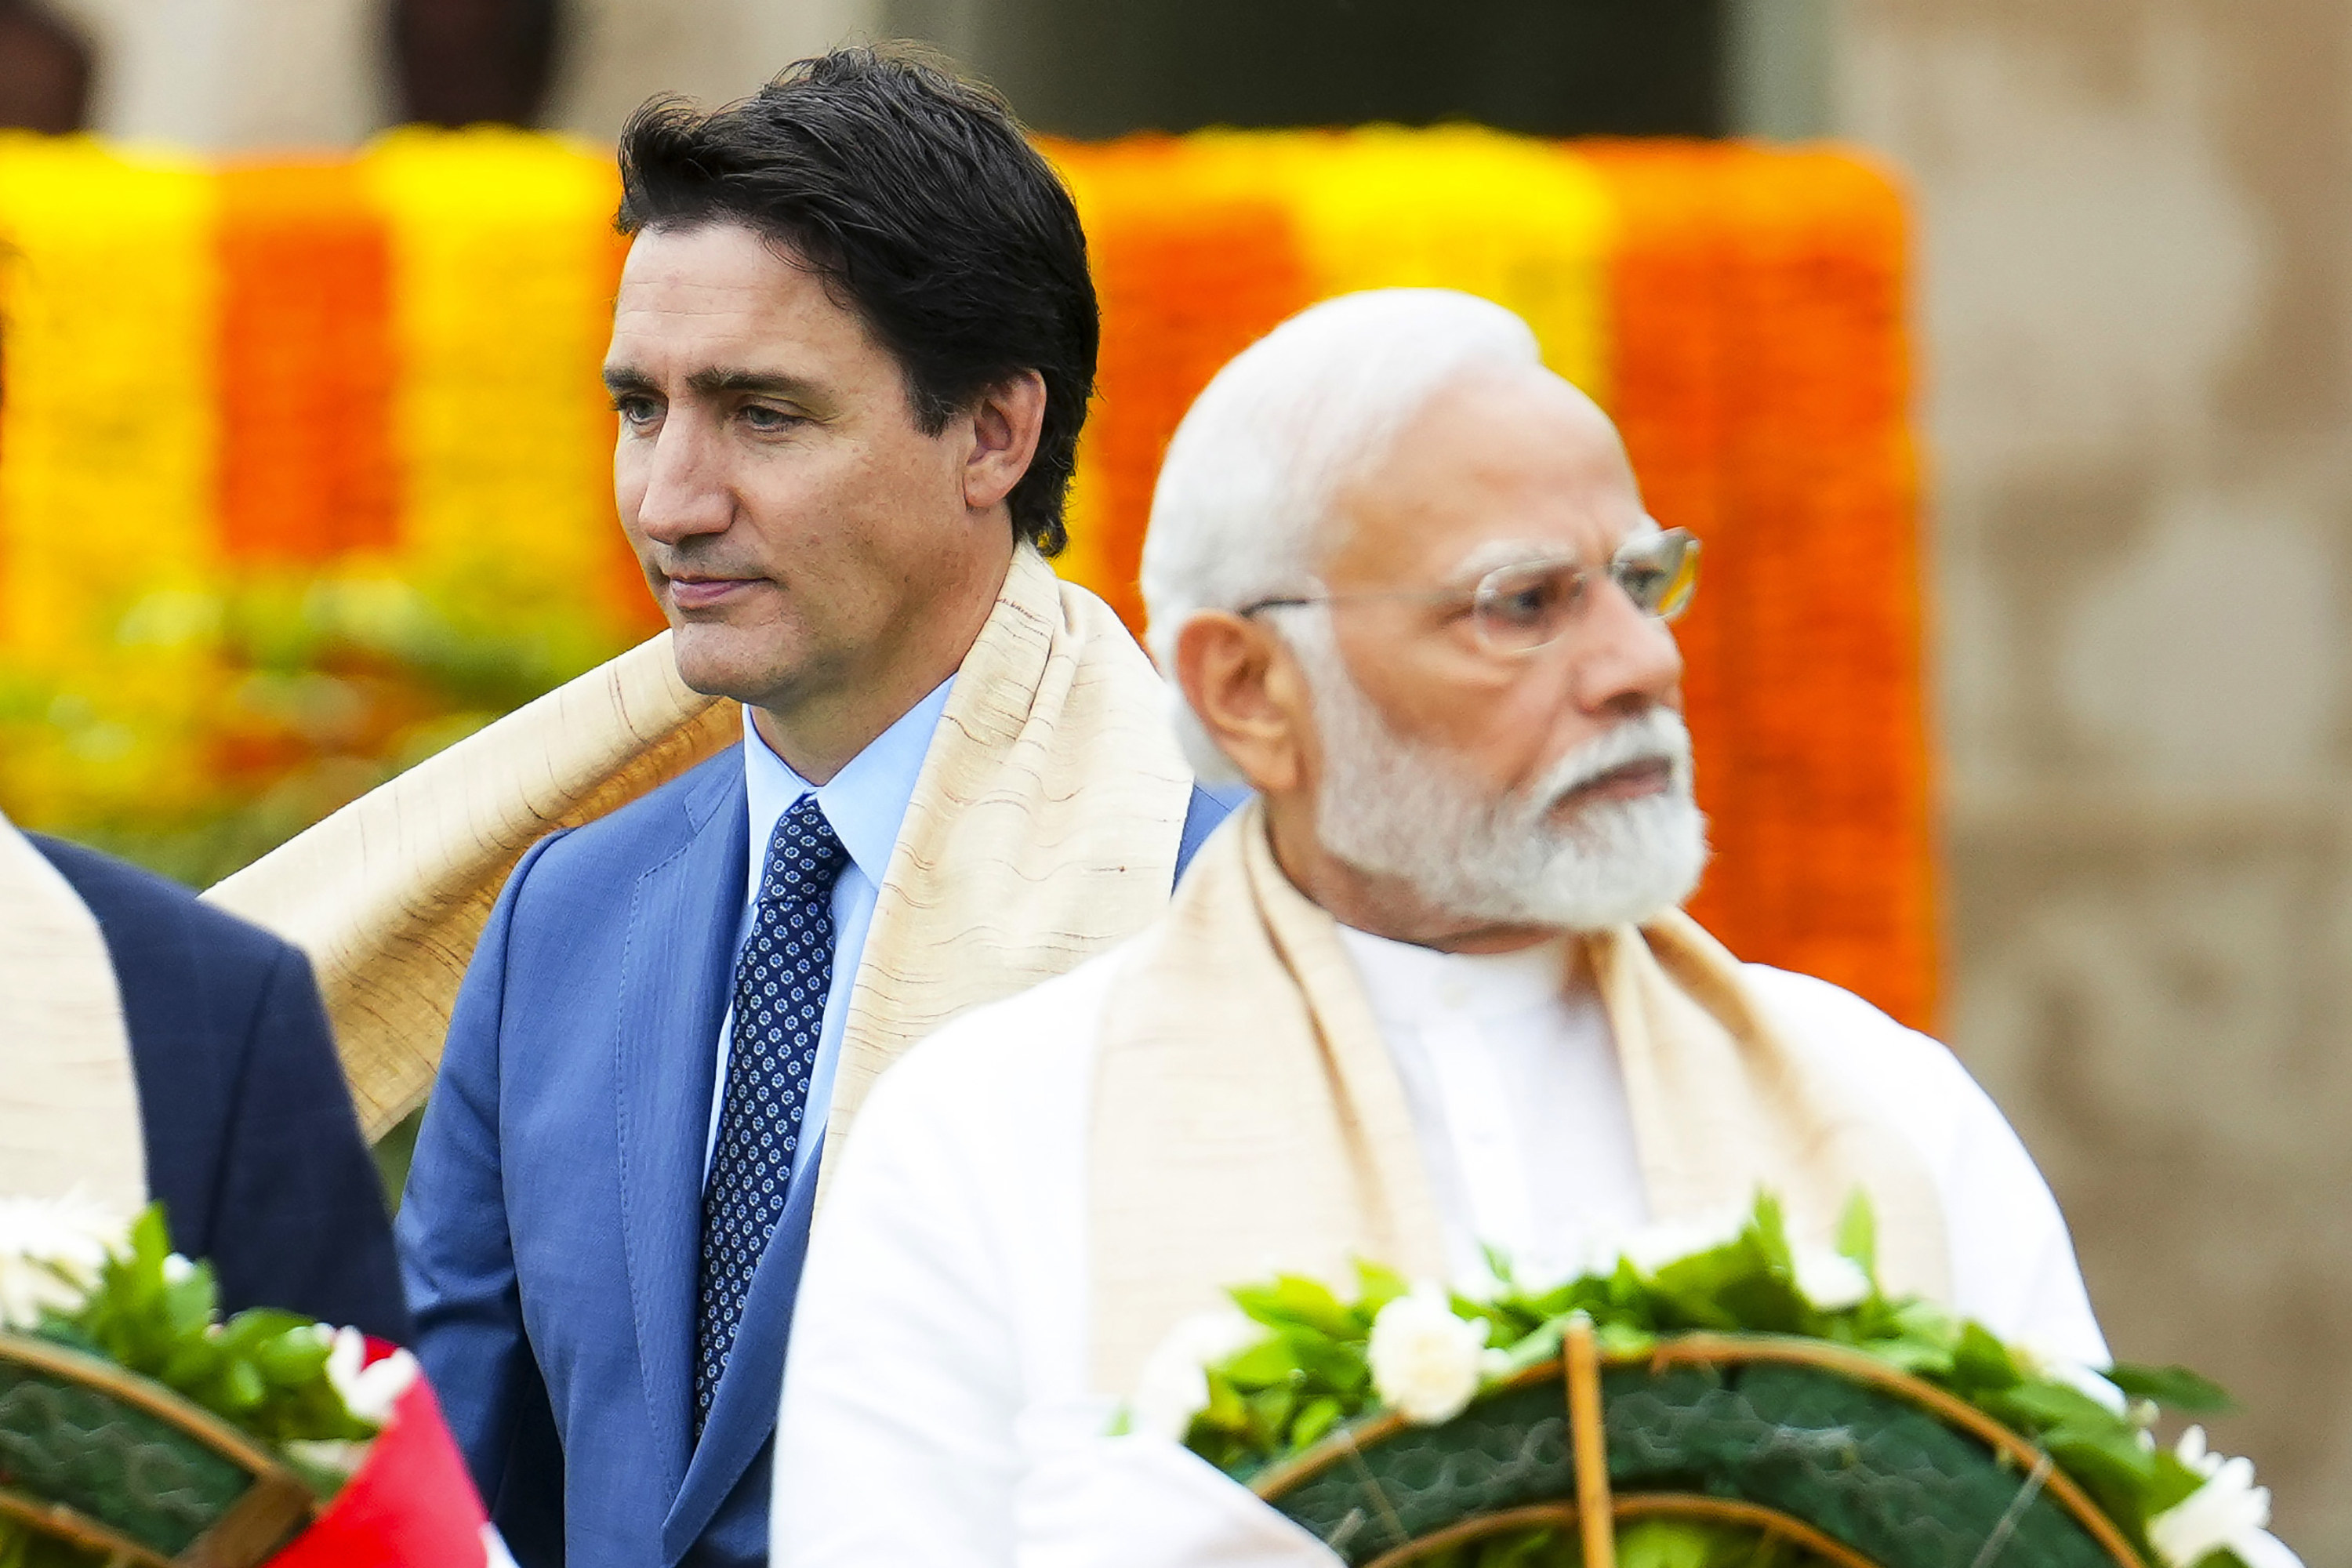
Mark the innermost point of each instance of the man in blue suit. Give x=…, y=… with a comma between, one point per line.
x=252, y=1147
x=852, y=349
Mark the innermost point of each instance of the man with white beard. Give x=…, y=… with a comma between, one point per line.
x=1431, y=992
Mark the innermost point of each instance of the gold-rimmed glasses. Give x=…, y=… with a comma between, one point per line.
x=1529, y=604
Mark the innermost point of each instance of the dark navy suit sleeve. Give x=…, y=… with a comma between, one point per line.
x=457, y=1259
x=300, y=1219
x=1207, y=810
x=252, y=1146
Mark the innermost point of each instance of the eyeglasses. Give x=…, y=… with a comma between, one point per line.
x=1517, y=609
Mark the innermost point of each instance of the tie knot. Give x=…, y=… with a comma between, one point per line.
x=805, y=856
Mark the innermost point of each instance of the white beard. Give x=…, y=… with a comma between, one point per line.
x=1396, y=808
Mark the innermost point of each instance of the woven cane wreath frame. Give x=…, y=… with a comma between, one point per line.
x=112, y=1435
x=1374, y=1533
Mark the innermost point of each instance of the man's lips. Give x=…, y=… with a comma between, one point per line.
x=1629, y=781
x=702, y=592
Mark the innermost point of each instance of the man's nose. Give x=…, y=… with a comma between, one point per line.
x=686, y=491
x=1624, y=657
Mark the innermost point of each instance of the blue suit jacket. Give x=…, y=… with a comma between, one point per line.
x=252, y=1147
x=551, y=1230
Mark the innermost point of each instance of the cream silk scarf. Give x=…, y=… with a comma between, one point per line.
x=68, y=1097
x=388, y=895
x=1247, y=1117
x=1043, y=826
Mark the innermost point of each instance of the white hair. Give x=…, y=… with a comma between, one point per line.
x=1252, y=471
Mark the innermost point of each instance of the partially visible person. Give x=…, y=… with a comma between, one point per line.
x=45, y=71
x=245, y=1128
x=1432, y=992
x=852, y=349
x=472, y=62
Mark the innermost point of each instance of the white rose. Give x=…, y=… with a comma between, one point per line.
x=1174, y=1386
x=1425, y=1360
x=2228, y=1511
x=369, y=1392
x=1831, y=1280
x=50, y=1253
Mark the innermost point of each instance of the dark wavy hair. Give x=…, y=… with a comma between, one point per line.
x=916, y=197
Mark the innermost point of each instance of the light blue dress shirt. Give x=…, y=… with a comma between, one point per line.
x=867, y=803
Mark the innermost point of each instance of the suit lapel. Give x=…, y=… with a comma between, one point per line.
x=674, y=971
x=744, y=1410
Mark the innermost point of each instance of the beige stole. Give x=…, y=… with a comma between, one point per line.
x=1247, y=1117
x=68, y=1097
x=388, y=895
x=1043, y=826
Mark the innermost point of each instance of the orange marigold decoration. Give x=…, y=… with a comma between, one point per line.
x=306, y=365
x=1671, y=400
x=1762, y=386
x=1836, y=837
x=1187, y=279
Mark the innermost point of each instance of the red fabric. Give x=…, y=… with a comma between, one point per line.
x=411, y=1506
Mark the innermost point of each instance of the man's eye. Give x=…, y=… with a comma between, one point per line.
x=1524, y=606
x=759, y=418
x=636, y=410
x=1532, y=599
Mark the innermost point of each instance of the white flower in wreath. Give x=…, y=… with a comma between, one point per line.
x=51, y=1250
x=2228, y=1511
x=1174, y=1386
x=369, y=1391
x=1831, y=1280
x=1425, y=1360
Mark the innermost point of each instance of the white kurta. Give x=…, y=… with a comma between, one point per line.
x=938, y=1404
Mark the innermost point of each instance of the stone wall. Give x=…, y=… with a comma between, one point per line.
x=2136, y=289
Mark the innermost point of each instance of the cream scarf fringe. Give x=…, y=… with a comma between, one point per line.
x=1043, y=826
x=68, y=1097
x=1247, y=1115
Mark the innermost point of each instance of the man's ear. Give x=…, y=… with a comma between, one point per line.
x=1247, y=693
x=1004, y=429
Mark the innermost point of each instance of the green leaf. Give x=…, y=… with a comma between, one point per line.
x=2174, y=1482
x=1667, y=1543
x=1270, y=1411
x=1315, y=1418
x=1378, y=1285
x=2174, y=1388
x=1225, y=1409
x=2037, y=1404
x=241, y=1385
x=1266, y=1365
x=1981, y=1361
x=1857, y=1234
x=2113, y=1469
x=1624, y=1338
x=1294, y=1301
x=1768, y=1230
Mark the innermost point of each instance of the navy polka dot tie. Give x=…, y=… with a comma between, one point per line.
x=781, y=981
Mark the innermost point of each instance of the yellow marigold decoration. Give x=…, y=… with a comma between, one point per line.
x=107, y=434
x=504, y=262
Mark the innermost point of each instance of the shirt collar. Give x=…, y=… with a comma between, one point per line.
x=866, y=801
x=1406, y=983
